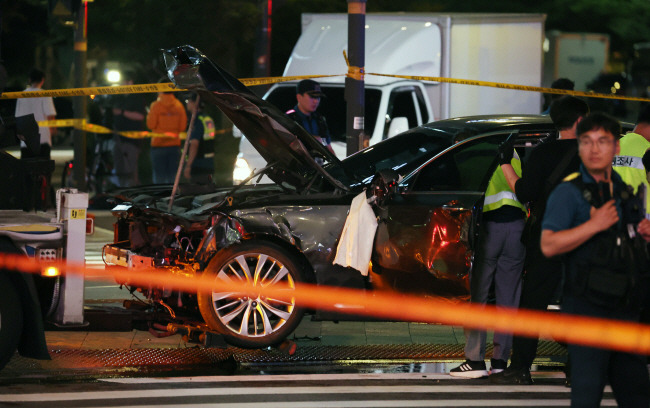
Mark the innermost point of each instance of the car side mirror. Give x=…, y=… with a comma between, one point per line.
x=398, y=125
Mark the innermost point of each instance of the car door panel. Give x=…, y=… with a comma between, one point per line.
x=423, y=244
x=427, y=236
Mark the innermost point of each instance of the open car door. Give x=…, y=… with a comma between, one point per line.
x=434, y=221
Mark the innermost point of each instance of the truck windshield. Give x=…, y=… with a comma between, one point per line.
x=332, y=106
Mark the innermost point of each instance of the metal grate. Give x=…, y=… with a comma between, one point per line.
x=98, y=362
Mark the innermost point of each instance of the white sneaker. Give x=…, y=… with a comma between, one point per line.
x=470, y=369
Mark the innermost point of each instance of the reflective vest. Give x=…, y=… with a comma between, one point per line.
x=498, y=192
x=208, y=127
x=629, y=165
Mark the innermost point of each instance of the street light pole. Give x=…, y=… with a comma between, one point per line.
x=354, y=82
x=79, y=102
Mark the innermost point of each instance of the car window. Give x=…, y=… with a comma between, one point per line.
x=401, y=103
x=422, y=105
x=466, y=167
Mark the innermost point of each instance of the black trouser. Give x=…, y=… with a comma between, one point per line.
x=541, y=279
x=593, y=368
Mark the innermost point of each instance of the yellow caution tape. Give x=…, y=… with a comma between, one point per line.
x=273, y=80
x=88, y=127
x=353, y=72
x=514, y=87
x=102, y=90
x=61, y=123
x=145, y=88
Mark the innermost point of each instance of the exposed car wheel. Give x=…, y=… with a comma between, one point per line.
x=252, y=321
x=11, y=320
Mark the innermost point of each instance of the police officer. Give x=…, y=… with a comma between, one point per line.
x=500, y=261
x=199, y=166
x=308, y=96
x=586, y=219
x=634, y=153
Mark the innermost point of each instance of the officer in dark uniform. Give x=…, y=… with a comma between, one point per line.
x=199, y=164
x=308, y=96
x=596, y=222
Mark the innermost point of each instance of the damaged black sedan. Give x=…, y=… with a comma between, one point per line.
x=414, y=201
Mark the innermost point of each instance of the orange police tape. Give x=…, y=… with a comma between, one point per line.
x=611, y=334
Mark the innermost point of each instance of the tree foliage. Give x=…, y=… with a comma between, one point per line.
x=134, y=31
x=24, y=28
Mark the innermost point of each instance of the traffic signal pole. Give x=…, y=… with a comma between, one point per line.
x=354, y=81
x=79, y=102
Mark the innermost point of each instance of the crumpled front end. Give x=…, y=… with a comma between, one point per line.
x=147, y=238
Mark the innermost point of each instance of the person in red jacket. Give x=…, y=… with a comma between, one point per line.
x=166, y=117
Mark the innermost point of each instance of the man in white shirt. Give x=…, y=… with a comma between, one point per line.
x=43, y=109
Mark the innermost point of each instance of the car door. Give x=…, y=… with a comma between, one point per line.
x=426, y=237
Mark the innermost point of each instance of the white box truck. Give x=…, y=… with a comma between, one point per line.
x=580, y=57
x=487, y=47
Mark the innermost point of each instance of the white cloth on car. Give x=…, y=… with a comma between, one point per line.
x=355, y=245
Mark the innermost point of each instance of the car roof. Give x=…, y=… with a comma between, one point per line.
x=474, y=125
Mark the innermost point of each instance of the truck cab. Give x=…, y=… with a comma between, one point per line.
x=390, y=109
x=476, y=46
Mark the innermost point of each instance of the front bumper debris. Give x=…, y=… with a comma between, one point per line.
x=114, y=255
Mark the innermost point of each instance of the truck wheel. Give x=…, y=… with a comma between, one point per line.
x=251, y=321
x=11, y=320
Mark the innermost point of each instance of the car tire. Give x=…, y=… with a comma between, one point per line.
x=246, y=321
x=11, y=320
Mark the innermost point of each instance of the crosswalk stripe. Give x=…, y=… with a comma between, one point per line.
x=333, y=389
x=315, y=377
x=307, y=391
x=371, y=404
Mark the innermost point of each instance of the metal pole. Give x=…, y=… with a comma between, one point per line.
x=186, y=146
x=79, y=102
x=263, y=43
x=354, y=82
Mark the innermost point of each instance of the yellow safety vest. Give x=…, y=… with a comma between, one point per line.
x=208, y=127
x=629, y=165
x=498, y=192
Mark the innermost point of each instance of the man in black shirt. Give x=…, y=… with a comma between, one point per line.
x=547, y=165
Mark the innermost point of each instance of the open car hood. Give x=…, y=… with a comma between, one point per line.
x=284, y=144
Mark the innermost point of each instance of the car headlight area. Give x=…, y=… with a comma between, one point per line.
x=241, y=170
